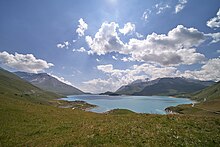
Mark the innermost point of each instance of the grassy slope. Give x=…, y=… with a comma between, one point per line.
x=211, y=106
x=11, y=85
x=27, y=124
x=210, y=93
x=24, y=123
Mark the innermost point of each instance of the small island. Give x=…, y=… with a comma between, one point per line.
x=110, y=93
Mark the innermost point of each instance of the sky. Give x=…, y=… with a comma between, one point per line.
x=100, y=45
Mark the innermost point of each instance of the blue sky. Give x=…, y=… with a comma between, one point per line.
x=101, y=45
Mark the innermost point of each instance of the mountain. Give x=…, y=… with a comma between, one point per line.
x=209, y=93
x=49, y=83
x=135, y=86
x=11, y=86
x=164, y=86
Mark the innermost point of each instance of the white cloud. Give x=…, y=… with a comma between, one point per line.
x=106, y=39
x=113, y=57
x=97, y=86
x=23, y=62
x=180, y=6
x=105, y=68
x=128, y=28
x=60, y=45
x=146, y=14
x=214, y=36
x=61, y=79
x=82, y=49
x=127, y=59
x=209, y=71
x=161, y=8
x=139, y=35
x=97, y=60
x=82, y=27
x=177, y=47
x=215, y=21
x=65, y=44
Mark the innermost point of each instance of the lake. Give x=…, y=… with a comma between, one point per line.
x=139, y=104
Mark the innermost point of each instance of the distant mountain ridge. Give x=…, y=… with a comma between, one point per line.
x=164, y=86
x=49, y=83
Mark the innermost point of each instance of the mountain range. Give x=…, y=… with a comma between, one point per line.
x=164, y=86
x=161, y=86
x=49, y=83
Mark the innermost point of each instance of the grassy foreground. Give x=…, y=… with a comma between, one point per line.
x=24, y=123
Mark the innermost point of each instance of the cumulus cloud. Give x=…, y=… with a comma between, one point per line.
x=180, y=6
x=128, y=28
x=65, y=44
x=215, y=21
x=175, y=48
x=209, y=71
x=170, y=49
x=61, y=79
x=82, y=27
x=106, y=39
x=161, y=7
x=23, y=62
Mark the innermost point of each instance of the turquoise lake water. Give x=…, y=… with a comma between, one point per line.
x=139, y=104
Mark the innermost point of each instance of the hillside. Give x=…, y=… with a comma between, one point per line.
x=208, y=102
x=12, y=86
x=49, y=83
x=209, y=93
x=164, y=86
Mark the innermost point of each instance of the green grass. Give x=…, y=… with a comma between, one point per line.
x=24, y=123
x=209, y=93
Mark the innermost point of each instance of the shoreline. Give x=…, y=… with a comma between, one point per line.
x=77, y=104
